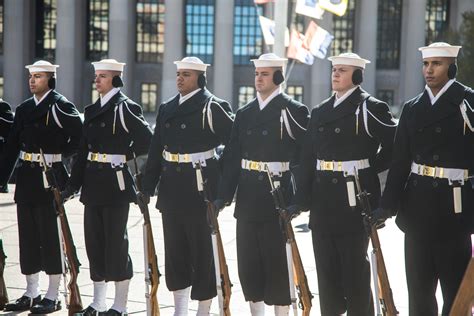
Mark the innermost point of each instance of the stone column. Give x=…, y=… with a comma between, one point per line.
x=413, y=37
x=174, y=45
x=122, y=33
x=70, y=52
x=367, y=41
x=223, y=49
x=18, y=49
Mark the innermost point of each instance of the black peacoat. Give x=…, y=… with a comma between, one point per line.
x=6, y=122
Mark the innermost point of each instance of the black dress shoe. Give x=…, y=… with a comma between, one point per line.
x=113, y=312
x=24, y=303
x=89, y=311
x=46, y=306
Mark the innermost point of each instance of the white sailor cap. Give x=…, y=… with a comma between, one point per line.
x=269, y=60
x=192, y=62
x=439, y=49
x=108, y=64
x=42, y=66
x=349, y=59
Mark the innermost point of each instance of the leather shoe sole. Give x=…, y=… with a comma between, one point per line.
x=46, y=306
x=24, y=303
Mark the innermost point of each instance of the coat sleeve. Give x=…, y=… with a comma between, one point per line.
x=231, y=164
x=6, y=119
x=297, y=117
x=400, y=166
x=138, y=128
x=12, y=149
x=71, y=124
x=382, y=127
x=222, y=120
x=77, y=173
x=153, y=164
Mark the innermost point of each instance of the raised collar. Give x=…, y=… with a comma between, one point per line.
x=184, y=98
x=338, y=101
x=263, y=103
x=42, y=98
x=434, y=98
x=106, y=98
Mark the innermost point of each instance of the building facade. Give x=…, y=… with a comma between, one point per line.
x=149, y=35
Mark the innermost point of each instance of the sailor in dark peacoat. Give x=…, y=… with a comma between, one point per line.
x=6, y=122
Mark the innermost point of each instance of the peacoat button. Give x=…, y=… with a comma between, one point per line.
x=438, y=129
x=165, y=146
x=334, y=180
x=260, y=177
x=420, y=130
x=435, y=157
x=102, y=124
x=435, y=184
x=318, y=179
x=415, y=182
x=183, y=126
x=246, y=154
x=88, y=165
x=36, y=125
x=90, y=124
x=264, y=132
x=32, y=164
x=164, y=168
x=100, y=165
x=249, y=132
x=89, y=146
x=23, y=145
x=418, y=157
x=337, y=130
x=167, y=125
x=321, y=129
x=178, y=169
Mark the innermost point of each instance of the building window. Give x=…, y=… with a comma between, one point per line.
x=148, y=96
x=248, y=38
x=200, y=29
x=1, y=26
x=246, y=94
x=296, y=92
x=344, y=30
x=437, y=19
x=98, y=29
x=386, y=96
x=150, y=30
x=94, y=93
x=297, y=21
x=388, y=34
x=46, y=13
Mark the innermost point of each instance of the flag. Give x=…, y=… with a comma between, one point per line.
x=310, y=8
x=337, y=7
x=297, y=50
x=268, y=30
x=262, y=1
x=317, y=40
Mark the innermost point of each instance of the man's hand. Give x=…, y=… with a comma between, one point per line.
x=67, y=193
x=293, y=211
x=379, y=216
x=219, y=204
x=143, y=198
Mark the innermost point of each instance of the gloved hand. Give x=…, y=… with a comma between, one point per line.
x=294, y=210
x=67, y=193
x=143, y=198
x=379, y=216
x=219, y=204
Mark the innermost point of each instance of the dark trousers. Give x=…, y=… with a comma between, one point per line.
x=426, y=263
x=343, y=274
x=189, y=259
x=261, y=257
x=39, y=239
x=105, y=232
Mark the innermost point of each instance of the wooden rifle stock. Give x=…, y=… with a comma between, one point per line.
x=462, y=305
x=74, y=303
x=3, y=288
x=152, y=272
x=225, y=284
x=385, y=292
x=301, y=282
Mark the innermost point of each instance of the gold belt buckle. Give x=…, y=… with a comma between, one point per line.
x=28, y=157
x=174, y=157
x=327, y=165
x=254, y=165
x=104, y=157
x=94, y=157
x=428, y=171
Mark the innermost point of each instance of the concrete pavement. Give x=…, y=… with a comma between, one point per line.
x=391, y=239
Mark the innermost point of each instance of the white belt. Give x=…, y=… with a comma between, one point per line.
x=276, y=168
x=347, y=167
x=194, y=158
x=36, y=157
x=113, y=159
x=452, y=174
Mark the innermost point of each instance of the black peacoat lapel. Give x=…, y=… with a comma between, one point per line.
x=40, y=110
x=195, y=103
x=348, y=107
x=271, y=112
x=96, y=109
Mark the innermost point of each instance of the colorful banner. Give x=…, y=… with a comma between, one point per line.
x=309, y=8
x=297, y=49
x=337, y=7
x=268, y=30
x=317, y=40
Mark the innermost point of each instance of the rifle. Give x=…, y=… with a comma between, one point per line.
x=152, y=272
x=296, y=273
x=384, y=292
x=68, y=249
x=223, y=284
x=3, y=288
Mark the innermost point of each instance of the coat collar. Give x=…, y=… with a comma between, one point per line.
x=446, y=105
x=43, y=107
x=329, y=113
x=195, y=103
x=96, y=109
x=272, y=111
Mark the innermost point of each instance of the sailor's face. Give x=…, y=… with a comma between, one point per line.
x=264, y=80
x=435, y=71
x=186, y=81
x=103, y=81
x=341, y=77
x=38, y=82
